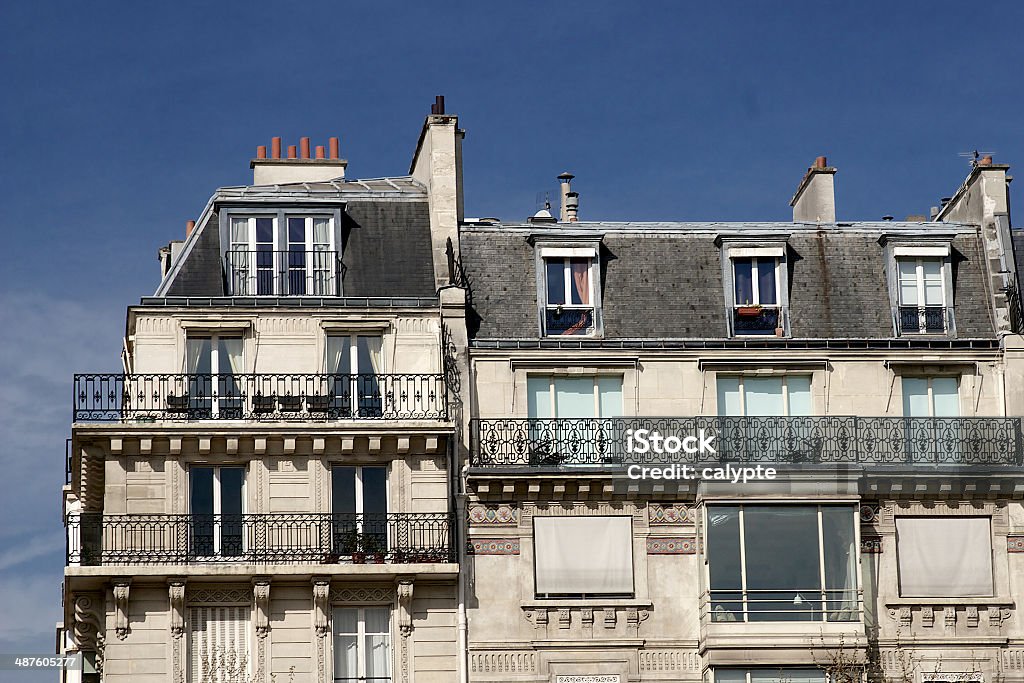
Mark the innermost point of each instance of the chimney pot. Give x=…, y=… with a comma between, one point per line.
x=304, y=145
x=261, y=152
x=887, y=217
x=820, y=162
x=438, y=106
x=189, y=227
x=335, y=152
x=320, y=152
x=275, y=147
x=292, y=152
x=985, y=160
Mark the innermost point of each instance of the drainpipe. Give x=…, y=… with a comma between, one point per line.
x=463, y=640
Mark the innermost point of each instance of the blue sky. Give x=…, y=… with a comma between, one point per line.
x=120, y=119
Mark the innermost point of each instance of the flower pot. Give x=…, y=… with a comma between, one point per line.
x=358, y=557
x=748, y=311
x=779, y=332
x=377, y=558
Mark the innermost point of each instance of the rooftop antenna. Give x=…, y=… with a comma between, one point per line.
x=543, y=200
x=974, y=155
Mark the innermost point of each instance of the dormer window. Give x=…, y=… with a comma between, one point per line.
x=921, y=287
x=756, y=289
x=282, y=255
x=568, y=290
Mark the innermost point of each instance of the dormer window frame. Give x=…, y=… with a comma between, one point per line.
x=569, y=253
x=761, y=251
x=282, y=264
x=927, y=318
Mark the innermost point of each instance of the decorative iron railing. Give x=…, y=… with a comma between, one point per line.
x=271, y=397
x=757, y=319
x=561, y=320
x=924, y=319
x=283, y=273
x=561, y=442
x=97, y=539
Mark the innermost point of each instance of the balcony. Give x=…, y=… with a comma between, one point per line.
x=563, y=320
x=757, y=320
x=95, y=539
x=283, y=273
x=924, y=319
x=568, y=442
x=267, y=397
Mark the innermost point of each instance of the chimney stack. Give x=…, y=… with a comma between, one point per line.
x=300, y=166
x=815, y=198
x=570, y=200
x=189, y=227
x=437, y=107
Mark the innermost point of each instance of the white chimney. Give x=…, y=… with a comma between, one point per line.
x=299, y=165
x=815, y=198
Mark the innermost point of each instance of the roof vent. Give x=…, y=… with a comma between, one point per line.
x=543, y=216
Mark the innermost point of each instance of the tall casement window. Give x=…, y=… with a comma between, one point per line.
x=931, y=397
x=216, y=505
x=923, y=299
x=563, y=430
x=583, y=556
x=755, y=280
x=355, y=363
x=289, y=256
x=359, y=505
x=212, y=363
x=944, y=557
x=569, y=308
x=218, y=644
x=782, y=563
x=362, y=644
x=775, y=395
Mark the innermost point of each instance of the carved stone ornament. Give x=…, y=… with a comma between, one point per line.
x=121, y=587
x=405, y=607
x=261, y=596
x=176, y=595
x=321, y=595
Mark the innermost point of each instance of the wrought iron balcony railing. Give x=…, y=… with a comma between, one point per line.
x=562, y=442
x=283, y=273
x=924, y=319
x=97, y=539
x=748, y=320
x=564, y=320
x=304, y=397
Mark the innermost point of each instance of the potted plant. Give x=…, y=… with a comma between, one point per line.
x=374, y=547
x=749, y=310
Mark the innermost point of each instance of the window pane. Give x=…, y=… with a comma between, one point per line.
x=787, y=676
x=346, y=620
x=538, y=396
x=609, y=391
x=239, y=233
x=556, y=281
x=730, y=676
x=945, y=397
x=840, y=563
x=908, y=282
x=375, y=491
x=915, y=397
x=229, y=352
x=197, y=355
x=201, y=481
x=574, y=397
x=378, y=658
x=369, y=351
x=579, y=280
x=265, y=230
x=743, y=270
x=724, y=565
x=932, y=282
x=763, y=396
x=322, y=231
x=377, y=620
x=339, y=360
x=729, y=402
x=297, y=230
x=766, y=281
x=343, y=490
x=782, y=562
x=799, y=389
x=231, y=479
x=345, y=657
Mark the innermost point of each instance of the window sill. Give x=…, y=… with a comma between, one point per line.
x=997, y=601
x=547, y=603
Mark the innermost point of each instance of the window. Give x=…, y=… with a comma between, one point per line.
x=782, y=563
x=944, y=557
x=778, y=395
x=756, y=295
x=931, y=397
x=282, y=255
x=569, y=308
x=212, y=364
x=922, y=295
x=359, y=504
x=218, y=646
x=362, y=644
x=777, y=675
x=563, y=430
x=583, y=556
x=216, y=502
x=355, y=363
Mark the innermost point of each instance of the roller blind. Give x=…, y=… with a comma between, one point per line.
x=218, y=644
x=583, y=555
x=944, y=556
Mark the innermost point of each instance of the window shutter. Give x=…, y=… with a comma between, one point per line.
x=584, y=555
x=218, y=636
x=944, y=557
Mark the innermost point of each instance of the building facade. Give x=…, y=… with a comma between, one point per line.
x=361, y=437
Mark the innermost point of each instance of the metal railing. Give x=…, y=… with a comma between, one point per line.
x=283, y=273
x=256, y=396
x=96, y=539
x=562, y=320
x=562, y=442
x=759, y=320
x=924, y=319
x=814, y=604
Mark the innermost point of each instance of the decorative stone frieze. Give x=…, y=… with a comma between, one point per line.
x=503, y=662
x=494, y=546
x=493, y=515
x=669, y=514
x=370, y=593
x=672, y=545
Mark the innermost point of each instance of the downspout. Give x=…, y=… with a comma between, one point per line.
x=463, y=639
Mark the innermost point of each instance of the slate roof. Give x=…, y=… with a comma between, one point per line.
x=386, y=245
x=664, y=280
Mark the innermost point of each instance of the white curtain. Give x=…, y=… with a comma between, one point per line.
x=338, y=355
x=194, y=349
x=346, y=639
x=583, y=555
x=378, y=637
x=218, y=649
x=370, y=355
x=948, y=557
x=231, y=351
